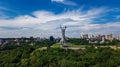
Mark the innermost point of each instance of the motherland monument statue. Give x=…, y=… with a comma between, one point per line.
x=63, y=39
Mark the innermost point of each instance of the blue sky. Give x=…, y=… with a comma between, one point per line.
x=41, y=18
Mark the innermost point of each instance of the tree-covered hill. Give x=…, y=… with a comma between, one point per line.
x=28, y=56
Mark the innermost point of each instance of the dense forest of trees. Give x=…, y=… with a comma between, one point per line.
x=28, y=56
x=114, y=42
x=78, y=41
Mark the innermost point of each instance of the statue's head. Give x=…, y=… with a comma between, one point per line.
x=63, y=27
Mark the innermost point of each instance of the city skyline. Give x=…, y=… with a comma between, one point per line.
x=42, y=18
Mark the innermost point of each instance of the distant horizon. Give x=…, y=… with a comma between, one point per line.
x=61, y=36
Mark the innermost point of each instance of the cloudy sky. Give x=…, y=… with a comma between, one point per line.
x=42, y=18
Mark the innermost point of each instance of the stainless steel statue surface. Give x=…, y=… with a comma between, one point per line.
x=63, y=39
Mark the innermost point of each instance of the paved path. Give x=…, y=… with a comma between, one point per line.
x=73, y=48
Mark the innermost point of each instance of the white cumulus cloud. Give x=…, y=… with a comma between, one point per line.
x=45, y=23
x=66, y=2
